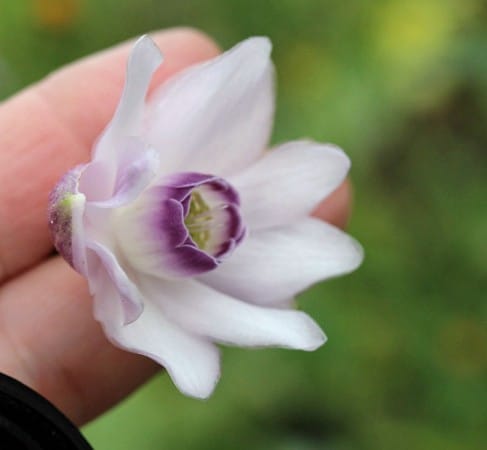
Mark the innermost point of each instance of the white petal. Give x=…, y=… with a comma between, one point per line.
x=130, y=297
x=276, y=263
x=215, y=117
x=143, y=61
x=288, y=182
x=135, y=165
x=204, y=311
x=191, y=362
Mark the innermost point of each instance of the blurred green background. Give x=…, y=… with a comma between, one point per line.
x=402, y=87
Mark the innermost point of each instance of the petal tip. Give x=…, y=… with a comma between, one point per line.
x=315, y=338
x=335, y=160
x=321, y=340
x=357, y=255
x=199, y=388
x=131, y=311
x=339, y=153
x=260, y=44
x=335, y=153
x=145, y=45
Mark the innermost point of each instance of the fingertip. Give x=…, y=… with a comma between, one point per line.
x=336, y=208
x=181, y=47
x=192, y=39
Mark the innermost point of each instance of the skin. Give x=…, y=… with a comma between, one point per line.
x=48, y=337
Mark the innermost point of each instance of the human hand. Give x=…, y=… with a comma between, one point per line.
x=48, y=337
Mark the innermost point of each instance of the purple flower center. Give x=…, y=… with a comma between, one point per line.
x=184, y=226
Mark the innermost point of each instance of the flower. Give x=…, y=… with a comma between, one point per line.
x=189, y=232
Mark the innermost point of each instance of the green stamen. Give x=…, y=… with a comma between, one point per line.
x=198, y=221
x=65, y=204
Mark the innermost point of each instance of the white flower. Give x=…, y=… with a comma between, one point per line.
x=187, y=230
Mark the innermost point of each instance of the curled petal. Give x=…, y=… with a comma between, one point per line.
x=143, y=61
x=132, y=303
x=276, y=263
x=215, y=117
x=288, y=182
x=136, y=166
x=126, y=122
x=201, y=310
x=191, y=362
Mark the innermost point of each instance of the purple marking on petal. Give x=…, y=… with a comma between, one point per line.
x=180, y=252
x=241, y=236
x=188, y=260
x=180, y=194
x=222, y=202
x=225, y=249
x=235, y=231
x=225, y=191
x=168, y=224
x=188, y=179
x=186, y=204
x=235, y=225
x=179, y=185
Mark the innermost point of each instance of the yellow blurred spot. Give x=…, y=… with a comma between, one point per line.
x=411, y=29
x=56, y=14
x=411, y=35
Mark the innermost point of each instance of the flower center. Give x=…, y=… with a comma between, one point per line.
x=184, y=226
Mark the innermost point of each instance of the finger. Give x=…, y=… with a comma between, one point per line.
x=335, y=209
x=50, y=127
x=50, y=341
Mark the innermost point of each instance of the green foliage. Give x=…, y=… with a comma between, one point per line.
x=402, y=87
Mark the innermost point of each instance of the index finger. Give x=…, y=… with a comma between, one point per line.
x=50, y=127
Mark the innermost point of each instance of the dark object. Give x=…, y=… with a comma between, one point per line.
x=29, y=422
